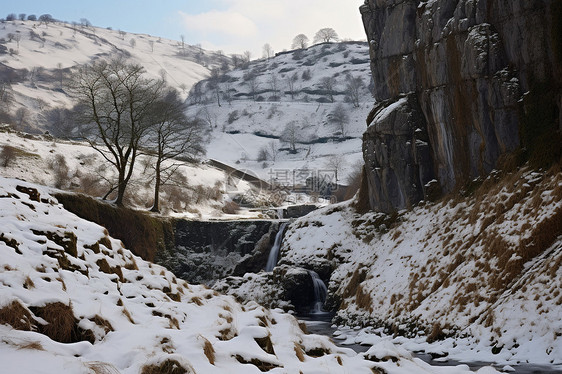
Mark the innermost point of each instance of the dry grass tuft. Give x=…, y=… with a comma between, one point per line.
x=266, y=344
x=61, y=325
x=197, y=300
x=101, y=367
x=168, y=366
x=28, y=283
x=17, y=316
x=127, y=314
x=208, y=350
x=103, y=323
x=34, y=346
x=299, y=352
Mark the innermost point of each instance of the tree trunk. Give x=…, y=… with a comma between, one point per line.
x=120, y=188
x=157, y=181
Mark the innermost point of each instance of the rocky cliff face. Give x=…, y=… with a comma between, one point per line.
x=459, y=84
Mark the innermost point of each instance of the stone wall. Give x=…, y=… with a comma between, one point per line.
x=457, y=84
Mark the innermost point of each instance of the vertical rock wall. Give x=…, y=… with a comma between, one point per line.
x=457, y=85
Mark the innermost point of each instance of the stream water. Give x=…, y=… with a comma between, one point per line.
x=321, y=324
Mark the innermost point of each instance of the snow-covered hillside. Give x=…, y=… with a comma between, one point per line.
x=291, y=112
x=73, y=300
x=36, y=60
x=481, y=272
x=197, y=190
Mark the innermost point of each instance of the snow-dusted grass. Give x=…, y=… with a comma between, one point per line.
x=125, y=315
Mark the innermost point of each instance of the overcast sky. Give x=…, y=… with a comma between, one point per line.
x=232, y=26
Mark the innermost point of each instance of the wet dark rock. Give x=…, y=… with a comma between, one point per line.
x=452, y=81
x=209, y=250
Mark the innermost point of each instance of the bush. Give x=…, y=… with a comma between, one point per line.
x=59, y=166
x=233, y=116
x=8, y=155
x=230, y=207
x=263, y=154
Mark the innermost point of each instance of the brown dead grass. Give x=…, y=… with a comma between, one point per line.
x=17, y=316
x=168, y=366
x=61, y=325
x=127, y=314
x=299, y=352
x=208, y=350
x=101, y=367
x=33, y=346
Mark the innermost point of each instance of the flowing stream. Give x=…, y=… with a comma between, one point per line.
x=322, y=325
x=274, y=253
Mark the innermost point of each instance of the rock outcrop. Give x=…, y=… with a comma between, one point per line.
x=459, y=85
x=206, y=251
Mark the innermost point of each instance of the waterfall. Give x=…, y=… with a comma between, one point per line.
x=274, y=253
x=320, y=293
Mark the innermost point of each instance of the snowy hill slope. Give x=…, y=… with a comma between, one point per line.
x=74, y=300
x=277, y=114
x=478, y=277
x=196, y=190
x=37, y=59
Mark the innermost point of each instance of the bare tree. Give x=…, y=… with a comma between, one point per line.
x=196, y=93
x=21, y=118
x=206, y=116
x=339, y=117
x=353, y=88
x=290, y=135
x=151, y=44
x=329, y=84
x=32, y=17
x=251, y=79
x=21, y=16
x=115, y=101
x=46, y=19
x=59, y=122
x=273, y=150
x=267, y=51
x=8, y=155
x=273, y=84
x=172, y=136
x=300, y=42
x=247, y=56
x=17, y=39
x=85, y=23
x=182, y=37
x=326, y=35
x=291, y=81
x=336, y=163
x=214, y=84
x=122, y=34
x=132, y=43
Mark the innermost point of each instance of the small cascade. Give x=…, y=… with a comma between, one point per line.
x=320, y=293
x=274, y=253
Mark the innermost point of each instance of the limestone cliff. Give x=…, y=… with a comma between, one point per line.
x=459, y=84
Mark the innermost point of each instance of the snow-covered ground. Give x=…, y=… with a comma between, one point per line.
x=38, y=64
x=198, y=191
x=73, y=300
x=258, y=101
x=474, y=278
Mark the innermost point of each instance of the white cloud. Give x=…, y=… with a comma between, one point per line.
x=241, y=25
x=220, y=23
